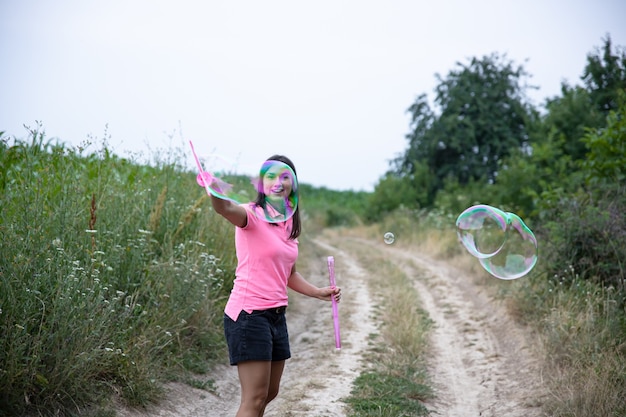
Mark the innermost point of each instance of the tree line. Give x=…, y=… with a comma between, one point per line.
x=560, y=165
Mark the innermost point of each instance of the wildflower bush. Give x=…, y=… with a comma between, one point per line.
x=113, y=277
x=589, y=233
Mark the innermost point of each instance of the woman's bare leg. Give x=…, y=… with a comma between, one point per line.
x=260, y=381
x=276, y=375
x=254, y=378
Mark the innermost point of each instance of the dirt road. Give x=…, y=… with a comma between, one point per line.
x=481, y=363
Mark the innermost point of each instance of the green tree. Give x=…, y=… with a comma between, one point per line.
x=393, y=191
x=605, y=76
x=483, y=117
x=567, y=118
x=422, y=119
x=583, y=107
x=586, y=228
x=534, y=181
x=525, y=180
x=606, y=157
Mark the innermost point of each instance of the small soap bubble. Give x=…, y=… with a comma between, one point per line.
x=275, y=181
x=389, y=238
x=503, y=244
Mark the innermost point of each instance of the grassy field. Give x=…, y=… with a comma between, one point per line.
x=113, y=277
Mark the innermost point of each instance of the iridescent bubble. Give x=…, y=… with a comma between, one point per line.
x=275, y=186
x=278, y=183
x=223, y=178
x=389, y=238
x=503, y=244
x=482, y=230
x=517, y=256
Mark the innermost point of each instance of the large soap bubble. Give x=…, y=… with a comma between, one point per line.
x=275, y=182
x=503, y=244
x=482, y=230
x=223, y=177
x=517, y=256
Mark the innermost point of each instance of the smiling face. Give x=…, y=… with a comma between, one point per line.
x=277, y=190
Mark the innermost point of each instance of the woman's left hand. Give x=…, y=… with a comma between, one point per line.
x=328, y=292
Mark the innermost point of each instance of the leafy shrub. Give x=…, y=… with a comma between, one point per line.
x=590, y=236
x=587, y=230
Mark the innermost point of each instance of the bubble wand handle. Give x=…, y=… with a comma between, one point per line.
x=331, y=277
x=193, y=151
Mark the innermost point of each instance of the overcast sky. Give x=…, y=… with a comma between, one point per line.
x=326, y=83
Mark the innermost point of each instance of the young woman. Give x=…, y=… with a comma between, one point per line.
x=254, y=319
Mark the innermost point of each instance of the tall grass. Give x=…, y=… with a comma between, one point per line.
x=582, y=328
x=113, y=276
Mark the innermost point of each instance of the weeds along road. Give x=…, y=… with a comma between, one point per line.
x=481, y=363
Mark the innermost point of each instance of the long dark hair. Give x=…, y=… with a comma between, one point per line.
x=260, y=198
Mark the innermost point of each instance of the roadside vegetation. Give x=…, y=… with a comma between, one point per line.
x=563, y=169
x=396, y=382
x=112, y=278
x=114, y=273
x=579, y=325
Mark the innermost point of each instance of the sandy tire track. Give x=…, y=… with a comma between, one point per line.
x=318, y=376
x=482, y=362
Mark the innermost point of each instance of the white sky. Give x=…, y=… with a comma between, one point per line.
x=324, y=82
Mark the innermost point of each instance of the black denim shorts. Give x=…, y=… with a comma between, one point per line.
x=257, y=336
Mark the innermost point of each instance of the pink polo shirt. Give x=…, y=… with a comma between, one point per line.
x=265, y=258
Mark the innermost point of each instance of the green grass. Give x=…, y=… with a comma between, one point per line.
x=113, y=277
x=582, y=328
x=396, y=384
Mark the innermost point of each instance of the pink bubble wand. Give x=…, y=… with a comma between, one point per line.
x=204, y=177
x=331, y=277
